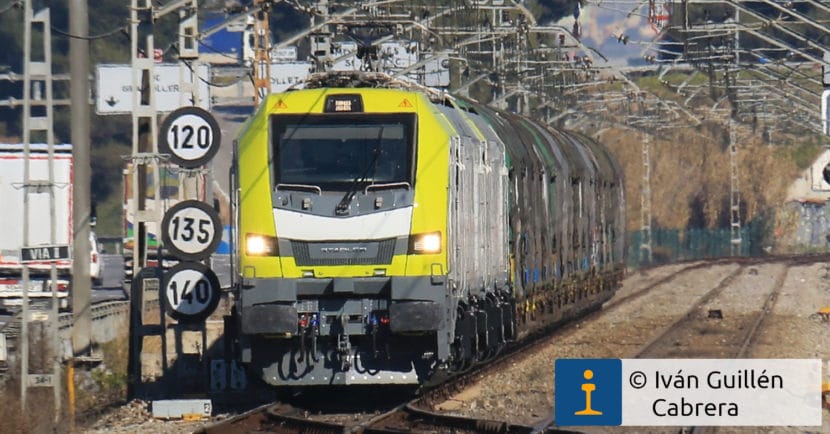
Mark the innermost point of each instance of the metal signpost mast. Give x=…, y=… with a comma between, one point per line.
x=147, y=157
x=145, y=154
x=79, y=96
x=39, y=72
x=145, y=148
x=645, y=201
x=262, y=51
x=734, y=192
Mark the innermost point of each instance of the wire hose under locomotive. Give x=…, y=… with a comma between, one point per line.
x=385, y=233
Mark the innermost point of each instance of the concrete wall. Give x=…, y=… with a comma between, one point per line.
x=811, y=185
x=804, y=221
x=803, y=225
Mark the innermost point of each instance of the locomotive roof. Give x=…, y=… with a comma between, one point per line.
x=376, y=80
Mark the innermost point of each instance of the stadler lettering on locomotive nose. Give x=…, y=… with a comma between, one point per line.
x=343, y=249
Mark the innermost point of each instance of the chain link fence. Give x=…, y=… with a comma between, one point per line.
x=673, y=245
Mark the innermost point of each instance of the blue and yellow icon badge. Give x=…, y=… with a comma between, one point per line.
x=588, y=392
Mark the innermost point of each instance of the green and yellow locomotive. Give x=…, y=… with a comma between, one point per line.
x=385, y=232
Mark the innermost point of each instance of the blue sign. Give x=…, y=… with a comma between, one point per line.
x=222, y=41
x=588, y=392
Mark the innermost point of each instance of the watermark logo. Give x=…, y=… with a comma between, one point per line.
x=688, y=392
x=588, y=392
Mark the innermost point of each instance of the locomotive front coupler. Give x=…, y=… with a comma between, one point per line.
x=344, y=347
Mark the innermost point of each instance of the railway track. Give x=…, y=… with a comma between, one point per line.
x=648, y=350
x=763, y=314
x=548, y=424
x=715, y=333
x=741, y=345
x=745, y=325
x=409, y=417
x=687, y=336
x=417, y=415
x=414, y=415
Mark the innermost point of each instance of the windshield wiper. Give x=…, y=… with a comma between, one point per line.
x=342, y=207
x=388, y=185
x=300, y=187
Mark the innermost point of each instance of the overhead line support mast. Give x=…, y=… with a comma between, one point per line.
x=38, y=72
x=262, y=51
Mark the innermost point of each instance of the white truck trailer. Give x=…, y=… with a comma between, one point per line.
x=39, y=225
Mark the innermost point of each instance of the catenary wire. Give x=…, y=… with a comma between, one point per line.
x=89, y=38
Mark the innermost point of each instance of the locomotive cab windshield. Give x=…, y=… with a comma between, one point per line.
x=342, y=152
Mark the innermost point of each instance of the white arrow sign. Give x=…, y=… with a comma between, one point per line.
x=114, y=88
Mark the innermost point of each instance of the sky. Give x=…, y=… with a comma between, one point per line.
x=602, y=25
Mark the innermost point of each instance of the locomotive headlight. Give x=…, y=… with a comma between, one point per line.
x=425, y=243
x=260, y=245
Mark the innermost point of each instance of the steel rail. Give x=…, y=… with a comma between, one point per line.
x=652, y=343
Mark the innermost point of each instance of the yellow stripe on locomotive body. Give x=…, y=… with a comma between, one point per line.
x=432, y=178
x=255, y=197
x=428, y=213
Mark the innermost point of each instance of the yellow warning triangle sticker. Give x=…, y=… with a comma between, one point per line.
x=405, y=103
x=280, y=105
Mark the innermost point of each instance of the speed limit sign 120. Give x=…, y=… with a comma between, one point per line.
x=191, y=291
x=191, y=136
x=191, y=230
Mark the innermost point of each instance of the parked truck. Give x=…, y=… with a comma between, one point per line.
x=12, y=224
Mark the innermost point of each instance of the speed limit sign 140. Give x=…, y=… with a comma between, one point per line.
x=191, y=136
x=191, y=291
x=191, y=230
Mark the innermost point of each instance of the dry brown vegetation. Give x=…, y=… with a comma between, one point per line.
x=96, y=389
x=107, y=383
x=690, y=173
x=690, y=179
x=39, y=414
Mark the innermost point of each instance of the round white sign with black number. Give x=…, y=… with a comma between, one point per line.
x=191, y=291
x=191, y=230
x=191, y=136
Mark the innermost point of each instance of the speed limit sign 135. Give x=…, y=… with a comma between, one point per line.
x=191, y=230
x=191, y=291
x=191, y=136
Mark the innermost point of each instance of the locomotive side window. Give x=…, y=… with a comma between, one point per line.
x=338, y=152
